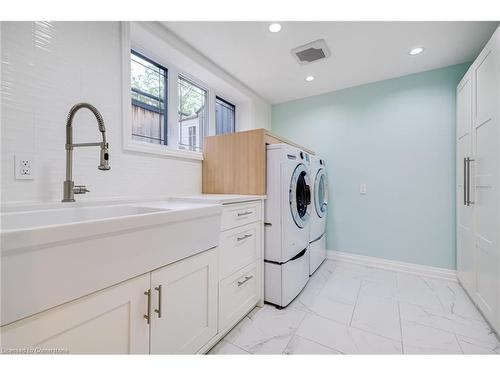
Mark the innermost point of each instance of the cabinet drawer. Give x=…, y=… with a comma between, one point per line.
x=237, y=294
x=239, y=247
x=235, y=215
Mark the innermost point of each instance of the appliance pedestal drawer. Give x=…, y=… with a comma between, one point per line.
x=237, y=294
x=285, y=281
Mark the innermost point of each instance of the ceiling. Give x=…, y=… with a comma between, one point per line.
x=361, y=52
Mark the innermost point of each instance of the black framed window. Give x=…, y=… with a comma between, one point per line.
x=148, y=81
x=193, y=115
x=224, y=116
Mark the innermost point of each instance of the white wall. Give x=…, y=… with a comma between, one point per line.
x=46, y=68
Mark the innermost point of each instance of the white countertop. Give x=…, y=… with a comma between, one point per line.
x=218, y=198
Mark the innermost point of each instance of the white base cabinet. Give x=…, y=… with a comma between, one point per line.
x=110, y=321
x=182, y=308
x=478, y=172
x=172, y=310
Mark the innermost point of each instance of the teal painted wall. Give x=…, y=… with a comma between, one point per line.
x=398, y=137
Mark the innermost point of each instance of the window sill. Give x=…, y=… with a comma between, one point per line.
x=163, y=151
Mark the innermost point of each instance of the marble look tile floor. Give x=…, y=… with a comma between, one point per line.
x=352, y=309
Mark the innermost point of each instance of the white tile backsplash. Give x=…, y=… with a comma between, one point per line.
x=47, y=67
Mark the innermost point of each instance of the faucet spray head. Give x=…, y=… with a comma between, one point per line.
x=104, y=163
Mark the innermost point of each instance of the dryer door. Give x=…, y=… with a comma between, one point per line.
x=320, y=192
x=300, y=195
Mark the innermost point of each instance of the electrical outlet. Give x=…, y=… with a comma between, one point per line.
x=23, y=165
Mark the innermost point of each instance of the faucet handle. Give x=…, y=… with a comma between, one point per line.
x=80, y=189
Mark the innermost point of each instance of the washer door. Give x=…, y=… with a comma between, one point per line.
x=300, y=195
x=320, y=192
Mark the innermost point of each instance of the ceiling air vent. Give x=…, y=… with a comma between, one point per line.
x=311, y=52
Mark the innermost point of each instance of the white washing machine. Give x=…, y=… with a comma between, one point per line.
x=319, y=181
x=287, y=215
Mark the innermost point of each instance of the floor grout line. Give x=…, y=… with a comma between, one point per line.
x=294, y=332
x=323, y=345
x=401, y=329
x=356, y=303
x=239, y=347
x=458, y=343
x=443, y=330
x=364, y=330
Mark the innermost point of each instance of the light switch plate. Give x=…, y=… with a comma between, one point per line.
x=24, y=167
x=362, y=189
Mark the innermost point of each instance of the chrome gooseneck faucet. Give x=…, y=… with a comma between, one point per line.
x=69, y=186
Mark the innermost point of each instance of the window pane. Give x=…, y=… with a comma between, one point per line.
x=193, y=116
x=224, y=115
x=148, y=83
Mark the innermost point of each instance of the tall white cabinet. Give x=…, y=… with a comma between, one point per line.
x=478, y=167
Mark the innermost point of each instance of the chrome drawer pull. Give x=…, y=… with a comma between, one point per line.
x=245, y=213
x=244, y=237
x=240, y=283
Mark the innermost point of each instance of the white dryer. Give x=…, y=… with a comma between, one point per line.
x=317, y=246
x=287, y=214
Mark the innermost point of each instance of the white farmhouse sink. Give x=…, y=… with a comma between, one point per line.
x=54, y=253
x=43, y=218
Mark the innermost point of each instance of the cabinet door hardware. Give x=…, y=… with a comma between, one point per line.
x=158, y=310
x=243, y=237
x=465, y=182
x=148, y=315
x=469, y=202
x=245, y=213
x=240, y=283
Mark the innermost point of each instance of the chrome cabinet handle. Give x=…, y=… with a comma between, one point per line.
x=148, y=315
x=465, y=182
x=158, y=310
x=243, y=237
x=469, y=202
x=240, y=283
x=244, y=213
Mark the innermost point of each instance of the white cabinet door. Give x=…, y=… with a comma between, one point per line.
x=107, y=322
x=184, y=305
x=485, y=170
x=465, y=237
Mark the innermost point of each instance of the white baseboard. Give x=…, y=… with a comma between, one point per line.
x=416, y=269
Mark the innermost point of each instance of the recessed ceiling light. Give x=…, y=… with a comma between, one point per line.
x=275, y=27
x=416, y=51
x=310, y=78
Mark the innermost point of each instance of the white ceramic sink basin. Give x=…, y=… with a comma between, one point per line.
x=54, y=253
x=42, y=218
